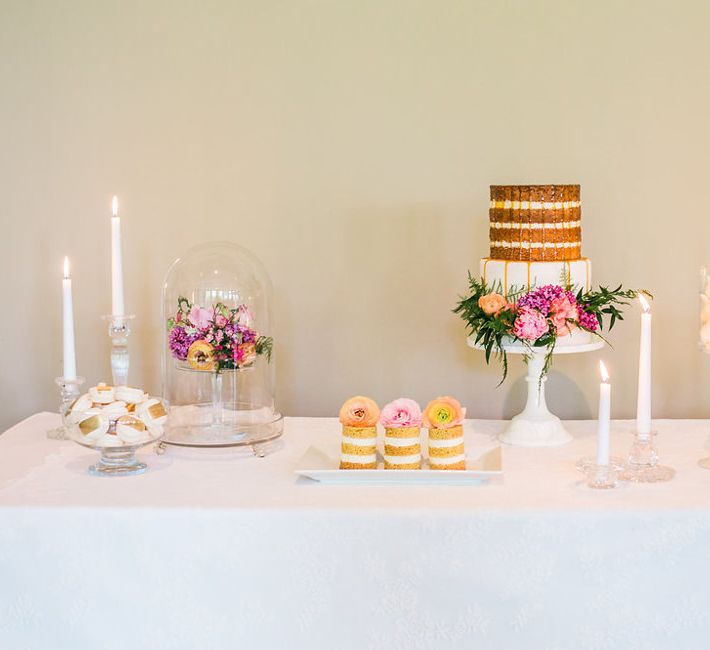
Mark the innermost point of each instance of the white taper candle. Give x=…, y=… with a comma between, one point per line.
x=643, y=403
x=117, y=307
x=604, y=417
x=69, y=358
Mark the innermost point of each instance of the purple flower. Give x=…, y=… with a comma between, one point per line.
x=588, y=321
x=541, y=298
x=180, y=341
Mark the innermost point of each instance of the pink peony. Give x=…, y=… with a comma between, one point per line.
x=403, y=412
x=200, y=317
x=562, y=309
x=220, y=320
x=530, y=324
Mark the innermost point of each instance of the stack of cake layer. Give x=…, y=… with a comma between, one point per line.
x=446, y=448
x=535, y=222
x=359, y=448
x=402, y=448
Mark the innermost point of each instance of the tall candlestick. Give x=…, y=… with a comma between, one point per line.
x=68, y=325
x=117, y=307
x=643, y=403
x=604, y=417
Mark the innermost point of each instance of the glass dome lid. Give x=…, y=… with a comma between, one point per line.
x=218, y=365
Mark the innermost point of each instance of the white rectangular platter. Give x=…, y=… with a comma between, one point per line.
x=319, y=466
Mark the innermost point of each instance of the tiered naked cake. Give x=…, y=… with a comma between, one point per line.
x=536, y=239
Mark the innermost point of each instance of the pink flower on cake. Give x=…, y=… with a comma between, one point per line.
x=200, y=317
x=402, y=412
x=492, y=303
x=562, y=310
x=530, y=324
x=359, y=411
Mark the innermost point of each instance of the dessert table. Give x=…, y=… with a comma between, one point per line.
x=210, y=551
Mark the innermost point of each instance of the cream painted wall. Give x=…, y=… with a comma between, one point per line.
x=350, y=145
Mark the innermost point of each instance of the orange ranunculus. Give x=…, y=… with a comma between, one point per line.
x=359, y=412
x=443, y=413
x=492, y=303
x=200, y=356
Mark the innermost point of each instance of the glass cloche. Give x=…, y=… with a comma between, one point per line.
x=218, y=367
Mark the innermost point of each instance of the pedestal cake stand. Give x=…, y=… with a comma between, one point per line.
x=536, y=426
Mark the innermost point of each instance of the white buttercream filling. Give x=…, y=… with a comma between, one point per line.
x=403, y=460
x=442, y=444
x=401, y=442
x=450, y=460
x=536, y=244
x=555, y=225
x=360, y=442
x=535, y=205
x=360, y=460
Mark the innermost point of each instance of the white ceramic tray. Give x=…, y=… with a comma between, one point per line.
x=319, y=466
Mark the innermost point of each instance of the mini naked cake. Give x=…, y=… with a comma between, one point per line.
x=359, y=443
x=402, y=420
x=444, y=418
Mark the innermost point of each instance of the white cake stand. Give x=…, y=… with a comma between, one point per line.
x=536, y=426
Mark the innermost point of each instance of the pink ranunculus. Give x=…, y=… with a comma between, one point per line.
x=220, y=320
x=561, y=311
x=403, y=412
x=200, y=317
x=529, y=324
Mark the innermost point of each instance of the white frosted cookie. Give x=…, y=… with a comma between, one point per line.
x=115, y=410
x=101, y=394
x=152, y=412
x=93, y=424
x=78, y=407
x=129, y=395
x=130, y=429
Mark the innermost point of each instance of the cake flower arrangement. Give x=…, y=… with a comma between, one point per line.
x=537, y=318
x=215, y=338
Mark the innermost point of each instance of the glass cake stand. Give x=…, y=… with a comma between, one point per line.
x=536, y=426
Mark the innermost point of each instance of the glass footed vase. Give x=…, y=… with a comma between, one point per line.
x=222, y=417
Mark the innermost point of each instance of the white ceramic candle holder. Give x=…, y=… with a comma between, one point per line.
x=119, y=330
x=69, y=390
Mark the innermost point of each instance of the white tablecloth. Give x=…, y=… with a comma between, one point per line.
x=208, y=551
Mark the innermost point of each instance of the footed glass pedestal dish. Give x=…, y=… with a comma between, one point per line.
x=118, y=459
x=536, y=426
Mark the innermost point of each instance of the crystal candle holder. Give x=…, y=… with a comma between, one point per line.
x=119, y=330
x=642, y=464
x=602, y=477
x=69, y=390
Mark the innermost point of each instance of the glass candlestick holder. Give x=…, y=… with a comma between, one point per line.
x=602, y=477
x=69, y=390
x=642, y=465
x=119, y=330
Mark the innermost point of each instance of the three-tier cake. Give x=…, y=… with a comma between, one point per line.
x=536, y=239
